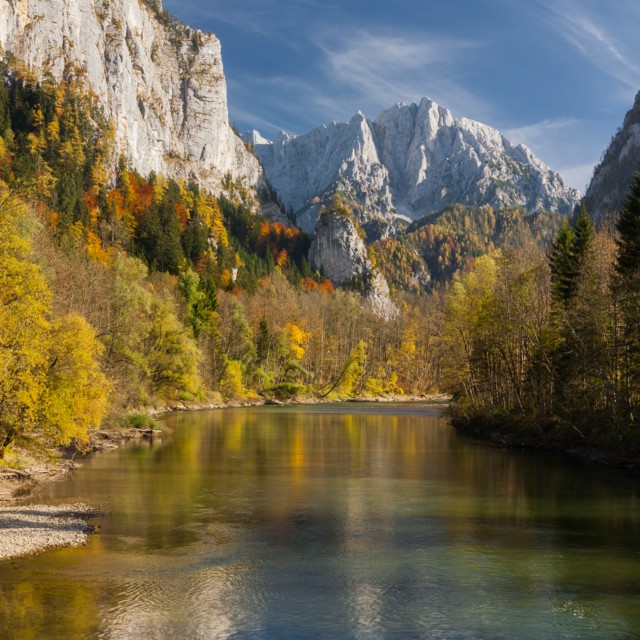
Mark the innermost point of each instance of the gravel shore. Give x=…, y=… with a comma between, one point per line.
x=29, y=529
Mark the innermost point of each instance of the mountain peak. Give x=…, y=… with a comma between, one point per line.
x=358, y=119
x=412, y=159
x=255, y=138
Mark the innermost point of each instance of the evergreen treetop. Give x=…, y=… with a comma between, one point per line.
x=628, y=260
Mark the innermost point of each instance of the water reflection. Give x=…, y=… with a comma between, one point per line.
x=343, y=522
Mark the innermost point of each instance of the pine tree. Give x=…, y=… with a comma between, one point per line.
x=158, y=235
x=627, y=286
x=194, y=239
x=567, y=256
x=628, y=260
x=561, y=264
x=583, y=235
x=567, y=262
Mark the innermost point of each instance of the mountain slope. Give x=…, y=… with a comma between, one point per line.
x=613, y=176
x=160, y=82
x=411, y=160
x=432, y=250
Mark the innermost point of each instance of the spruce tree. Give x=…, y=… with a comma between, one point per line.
x=628, y=260
x=567, y=257
x=567, y=260
x=627, y=286
x=582, y=237
x=561, y=264
x=194, y=239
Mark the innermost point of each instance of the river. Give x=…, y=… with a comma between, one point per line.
x=334, y=521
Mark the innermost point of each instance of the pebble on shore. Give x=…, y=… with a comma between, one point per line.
x=32, y=528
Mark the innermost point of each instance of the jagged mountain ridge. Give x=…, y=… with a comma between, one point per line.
x=411, y=160
x=160, y=82
x=613, y=176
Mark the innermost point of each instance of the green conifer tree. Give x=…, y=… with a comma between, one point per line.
x=561, y=264
x=583, y=235
x=627, y=286
x=628, y=259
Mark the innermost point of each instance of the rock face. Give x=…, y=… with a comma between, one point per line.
x=340, y=253
x=161, y=82
x=613, y=176
x=411, y=160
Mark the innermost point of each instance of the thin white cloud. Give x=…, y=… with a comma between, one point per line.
x=584, y=30
x=264, y=17
x=293, y=99
x=533, y=134
x=379, y=69
x=361, y=70
x=256, y=120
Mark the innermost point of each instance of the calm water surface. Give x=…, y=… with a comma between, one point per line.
x=352, y=521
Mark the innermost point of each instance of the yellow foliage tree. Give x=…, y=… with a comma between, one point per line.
x=231, y=384
x=297, y=339
x=76, y=390
x=51, y=389
x=352, y=377
x=467, y=312
x=172, y=356
x=24, y=306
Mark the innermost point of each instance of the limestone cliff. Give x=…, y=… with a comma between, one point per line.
x=411, y=160
x=340, y=253
x=620, y=163
x=161, y=82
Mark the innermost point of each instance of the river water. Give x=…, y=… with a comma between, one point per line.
x=349, y=521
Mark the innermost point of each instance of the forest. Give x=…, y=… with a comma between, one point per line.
x=121, y=292
x=543, y=347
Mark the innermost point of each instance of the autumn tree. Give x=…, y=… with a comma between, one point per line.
x=51, y=385
x=352, y=378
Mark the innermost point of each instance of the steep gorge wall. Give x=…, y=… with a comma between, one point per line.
x=162, y=83
x=620, y=163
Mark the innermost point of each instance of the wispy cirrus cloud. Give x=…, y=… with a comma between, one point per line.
x=378, y=69
x=583, y=25
x=264, y=17
x=577, y=176
x=534, y=133
x=368, y=71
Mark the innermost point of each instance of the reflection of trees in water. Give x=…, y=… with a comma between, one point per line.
x=390, y=507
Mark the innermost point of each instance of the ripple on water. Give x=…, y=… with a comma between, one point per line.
x=341, y=523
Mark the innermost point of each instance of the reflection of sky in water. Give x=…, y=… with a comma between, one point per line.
x=347, y=522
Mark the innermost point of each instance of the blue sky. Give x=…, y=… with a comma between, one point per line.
x=558, y=75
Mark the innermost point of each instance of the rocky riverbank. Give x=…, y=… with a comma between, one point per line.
x=29, y=529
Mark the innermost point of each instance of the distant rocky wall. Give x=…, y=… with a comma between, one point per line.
x=411, y=160
x=620, y=163
x=340, y=253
